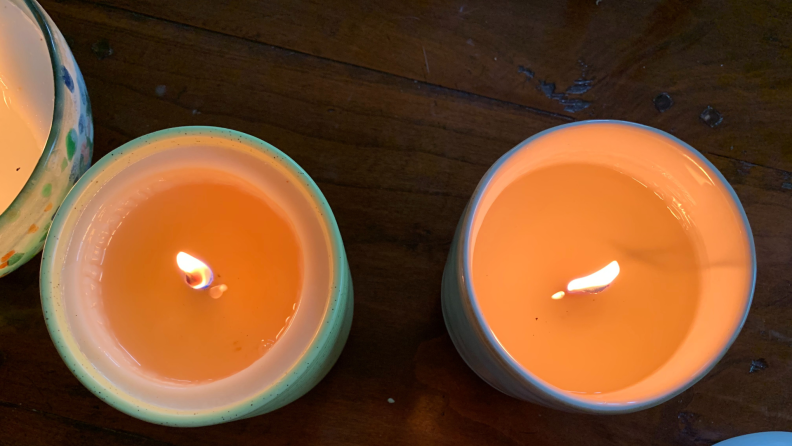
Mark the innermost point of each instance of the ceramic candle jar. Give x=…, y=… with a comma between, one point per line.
x=195, y=276
x=651, y=229
x=66, y=155
x=759, y=439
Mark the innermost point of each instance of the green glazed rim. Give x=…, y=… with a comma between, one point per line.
x=270, y=398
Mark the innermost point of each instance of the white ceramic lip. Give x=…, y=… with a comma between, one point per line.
x=67, y=347
x=561, y=396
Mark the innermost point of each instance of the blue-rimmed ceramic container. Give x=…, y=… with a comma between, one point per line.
x=317, y=353
x=760, y=439
x=683, y=175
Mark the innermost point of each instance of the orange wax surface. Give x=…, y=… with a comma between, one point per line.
x=178, y=333
x=567, y=221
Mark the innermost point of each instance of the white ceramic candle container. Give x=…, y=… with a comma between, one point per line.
x=725, y=249
x=760, y=439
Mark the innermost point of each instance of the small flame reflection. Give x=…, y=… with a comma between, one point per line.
x=216, y=292
x=593, y=283
x=196, y=273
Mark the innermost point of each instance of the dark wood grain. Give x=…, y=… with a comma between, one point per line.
x=397, y=152
x=731, y=54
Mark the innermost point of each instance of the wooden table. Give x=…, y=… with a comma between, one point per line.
x=397, y=109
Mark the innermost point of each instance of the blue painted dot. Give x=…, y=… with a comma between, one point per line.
x=67, y=79
x=75, y=173
x=81, y=124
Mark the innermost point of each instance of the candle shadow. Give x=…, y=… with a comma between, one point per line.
x=660, y=258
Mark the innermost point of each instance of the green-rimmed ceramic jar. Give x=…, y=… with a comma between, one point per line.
x=294, y=364
x=66, y=156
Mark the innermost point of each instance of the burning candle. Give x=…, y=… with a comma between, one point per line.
x=45, y=128
x=28, y=95
x=196, y=276
x=600, y=267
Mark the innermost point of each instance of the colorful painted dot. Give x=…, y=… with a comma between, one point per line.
x=74, y=175
x=46, y=191
x=33, y=228
x=11, y=215
x=67, y=79
x=7, y=256
x=3, y=265
x=71, y=143
x=15, y=258
x=44, y=232
x=64, y=163
x=49, y=206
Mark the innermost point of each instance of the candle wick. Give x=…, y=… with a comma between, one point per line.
x=217, y=291
x=193, y=279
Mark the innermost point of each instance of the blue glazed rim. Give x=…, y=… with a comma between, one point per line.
x=526, y=375
x=103, y=388
x=772, y=438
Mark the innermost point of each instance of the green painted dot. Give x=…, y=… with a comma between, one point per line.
x=71, y=144
x=64, y=163
x=46, y=191
x=11, y=214
x=15, y=258
x=45, y=231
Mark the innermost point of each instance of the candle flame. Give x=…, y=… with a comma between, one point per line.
x=593, y=283
x=196, y=273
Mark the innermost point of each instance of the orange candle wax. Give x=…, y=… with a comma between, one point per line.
x=174, y=331
x=566, y=221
